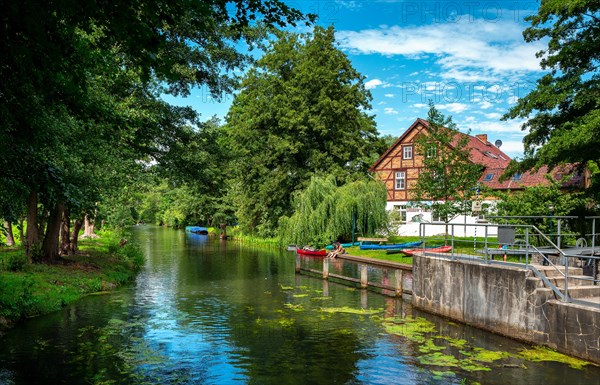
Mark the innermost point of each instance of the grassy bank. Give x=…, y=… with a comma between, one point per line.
x=28, y=290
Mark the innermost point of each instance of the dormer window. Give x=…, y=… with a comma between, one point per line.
x=488, y=177
x=517, y=176
x=407, y=152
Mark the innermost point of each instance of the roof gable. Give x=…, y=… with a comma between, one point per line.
x=482, y=152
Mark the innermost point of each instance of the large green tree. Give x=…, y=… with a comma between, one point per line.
x=448, y=179
x=300, y=112
x=563, y=111
x=80, y=96
x=325, y=212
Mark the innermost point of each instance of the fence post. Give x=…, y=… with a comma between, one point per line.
x=363, y=276
x=325, y=268
x=526, y=246
x=398, y=274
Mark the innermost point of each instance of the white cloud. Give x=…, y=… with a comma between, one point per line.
x=372, y=84
x=420, y=105
x=485, y=105
x=469, y=119
x=453, y=107
x=468, y=50
x=512, y=100
x=390, y=111
x=414, y=73
x=493, y=115
x=389, y=95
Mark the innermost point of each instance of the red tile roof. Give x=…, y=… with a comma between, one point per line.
x=495, y=162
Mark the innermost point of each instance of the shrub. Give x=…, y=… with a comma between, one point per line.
x=17, y=262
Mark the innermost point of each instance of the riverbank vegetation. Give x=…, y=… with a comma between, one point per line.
x=28, y=290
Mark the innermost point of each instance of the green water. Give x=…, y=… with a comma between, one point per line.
x=212, y=312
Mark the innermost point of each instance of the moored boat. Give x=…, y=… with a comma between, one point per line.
x=441, y=249
x=196, y=230
x=314, y=253
x=330, y=247
x=405, y=245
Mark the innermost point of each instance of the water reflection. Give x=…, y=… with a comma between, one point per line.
x=214, y=312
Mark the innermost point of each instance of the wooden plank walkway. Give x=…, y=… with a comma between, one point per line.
x=399, y=270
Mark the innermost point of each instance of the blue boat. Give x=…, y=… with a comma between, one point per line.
x=330, y=247
x=405, y=245
x=196, y=230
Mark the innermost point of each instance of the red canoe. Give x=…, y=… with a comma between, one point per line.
x=441, y=249
x=314, y=253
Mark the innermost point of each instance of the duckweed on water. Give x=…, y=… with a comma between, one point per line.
x=457, y=343
x=286, y=288
x=439, y=359
x=539, y=353
x=429, y=347
x=410, y=328
x=350, y=310
x=484, y=355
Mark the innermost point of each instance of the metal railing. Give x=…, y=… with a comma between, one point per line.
x=528, y=243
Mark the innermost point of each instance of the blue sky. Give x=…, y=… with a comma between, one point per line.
x=469, y=57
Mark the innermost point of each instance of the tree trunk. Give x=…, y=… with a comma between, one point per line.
x=32, y=238
x=21, y=227
x=50, y=247
x=10, y=239
x=88, y=231
x=75, y=234
x=65, y=233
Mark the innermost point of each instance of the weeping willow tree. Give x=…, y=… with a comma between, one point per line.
x=325, y=212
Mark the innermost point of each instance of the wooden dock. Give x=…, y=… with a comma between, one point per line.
x=394, y=275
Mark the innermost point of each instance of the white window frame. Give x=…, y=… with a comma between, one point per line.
x=400, y=176
x=407, y=152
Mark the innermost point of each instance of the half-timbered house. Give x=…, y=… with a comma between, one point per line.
x=399, y=167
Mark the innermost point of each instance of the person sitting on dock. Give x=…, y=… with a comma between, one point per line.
x=337, y=249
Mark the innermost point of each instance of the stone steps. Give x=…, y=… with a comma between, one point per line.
x=584, y=292
x=574, y=281
x=558, y=271
x=580, y=286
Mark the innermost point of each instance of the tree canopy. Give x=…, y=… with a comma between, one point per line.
x=300, y=112
x=80, y=106
x=448, y=178
x=563, y=111
x=325, y=212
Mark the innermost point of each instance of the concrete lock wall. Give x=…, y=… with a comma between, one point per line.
x=508, y=301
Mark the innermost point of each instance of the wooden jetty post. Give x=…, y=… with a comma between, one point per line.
x=394, y=288
x=399, y=276
x=364, y=281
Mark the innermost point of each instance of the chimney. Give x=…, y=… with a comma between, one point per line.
x=482, y=137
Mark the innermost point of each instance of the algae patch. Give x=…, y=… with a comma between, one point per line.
x=413, y=329
x=350, y=310
x=538, y=354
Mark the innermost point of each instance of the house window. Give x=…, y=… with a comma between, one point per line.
x=407, y=152
x=488, y=177
x=402, y=210
x=431, y=152
x=400, y=180
x=517, y=176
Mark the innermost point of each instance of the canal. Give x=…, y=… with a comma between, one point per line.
x=211, y=312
